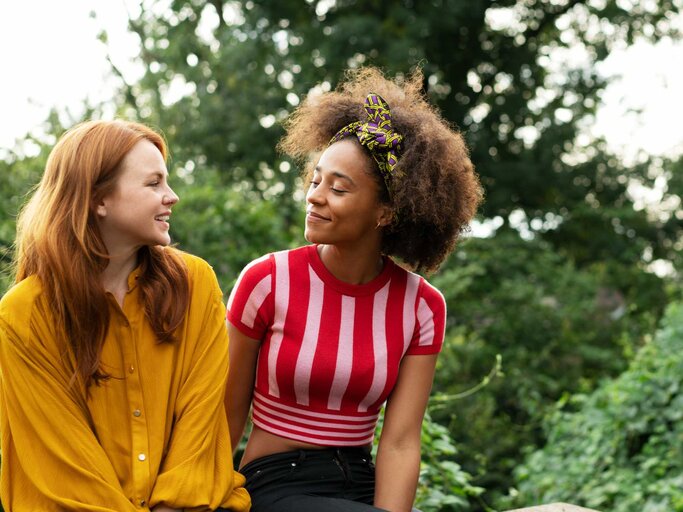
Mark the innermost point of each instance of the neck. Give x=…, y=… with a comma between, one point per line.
x=114, y=278
x=353, y=266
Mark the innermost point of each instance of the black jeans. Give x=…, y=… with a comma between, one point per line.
x=326, y=480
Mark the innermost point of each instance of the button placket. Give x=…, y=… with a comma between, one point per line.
x=139, y=445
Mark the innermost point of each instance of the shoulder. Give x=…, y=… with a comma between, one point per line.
x=201, y=277
x=19, y=304
x=191, y=261
x=260, y=265
x=267, y=263
x=21, y=299
x=197, y=268
x=424, y=288
x=427, y=294
x=256, y=272
x=430, y=292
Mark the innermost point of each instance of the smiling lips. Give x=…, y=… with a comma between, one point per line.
x=311, y=215
x=164, y=217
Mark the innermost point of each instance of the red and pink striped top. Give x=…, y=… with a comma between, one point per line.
x=330, y=351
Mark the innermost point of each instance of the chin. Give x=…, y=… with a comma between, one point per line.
x=312, y=238
x=163, y=241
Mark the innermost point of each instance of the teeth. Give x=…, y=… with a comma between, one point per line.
x=163, y=218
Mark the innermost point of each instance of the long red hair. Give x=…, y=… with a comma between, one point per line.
x=58, y=241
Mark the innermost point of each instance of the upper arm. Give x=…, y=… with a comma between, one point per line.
x=250, y=305
x=243, y=359
x=407, y=403
x=249, y=314
x=430, y=324
x=40, y=408
x=408, y=400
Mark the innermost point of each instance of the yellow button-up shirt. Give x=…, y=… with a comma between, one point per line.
x=154, y=433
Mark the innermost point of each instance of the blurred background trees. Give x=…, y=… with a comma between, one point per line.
x=568, y=275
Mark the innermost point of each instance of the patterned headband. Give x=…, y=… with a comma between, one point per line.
x=377, y=135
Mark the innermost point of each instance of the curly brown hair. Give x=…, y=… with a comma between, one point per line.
x=435, y=191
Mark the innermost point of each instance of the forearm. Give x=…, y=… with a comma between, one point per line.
x=397, y=472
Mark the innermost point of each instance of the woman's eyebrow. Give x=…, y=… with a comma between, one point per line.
x=337, y=174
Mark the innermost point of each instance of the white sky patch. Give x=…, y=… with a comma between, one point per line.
x=50, y=57
x=643, y=106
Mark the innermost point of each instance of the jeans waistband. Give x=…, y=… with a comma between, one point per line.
x=343, y=453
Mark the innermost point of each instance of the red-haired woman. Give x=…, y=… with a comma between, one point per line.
x=325, y=334
x=113, y=346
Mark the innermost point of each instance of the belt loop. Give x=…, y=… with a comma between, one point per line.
x=302, y=457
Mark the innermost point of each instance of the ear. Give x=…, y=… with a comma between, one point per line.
x=99, y=207
x=386, y=215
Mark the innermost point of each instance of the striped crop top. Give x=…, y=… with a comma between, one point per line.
x=330, y=351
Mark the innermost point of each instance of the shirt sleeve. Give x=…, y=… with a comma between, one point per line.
x=51, y=458
x=250, y=306
x=197, y=471
x=430, y=324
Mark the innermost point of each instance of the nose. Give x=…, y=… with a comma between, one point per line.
x=170, y=198
x=314, y=195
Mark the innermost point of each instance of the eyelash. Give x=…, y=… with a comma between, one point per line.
x=314, y=184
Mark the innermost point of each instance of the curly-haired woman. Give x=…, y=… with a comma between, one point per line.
x=113, y=346
x=323, y=335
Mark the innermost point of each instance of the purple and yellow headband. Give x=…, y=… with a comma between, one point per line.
x=377, y=135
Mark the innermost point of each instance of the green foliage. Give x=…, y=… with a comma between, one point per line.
x=619, y=448
x=18, y=174
x=443, y=485
x=227, y=227
x=558, y=328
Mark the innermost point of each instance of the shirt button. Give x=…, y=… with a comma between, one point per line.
x=137, y=413
x=131, y=369
x=142, y=457
x=143, y=503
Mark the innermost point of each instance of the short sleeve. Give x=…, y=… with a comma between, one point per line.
x=430, y=321
x=250, y=306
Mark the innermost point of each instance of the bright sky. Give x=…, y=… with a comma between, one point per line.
x=50, y=57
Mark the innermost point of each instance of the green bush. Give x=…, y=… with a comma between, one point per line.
x=621, y=447
x=443, y=486
x=228, y=227
x=559, y=328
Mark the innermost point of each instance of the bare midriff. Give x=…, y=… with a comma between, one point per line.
x=262, y=444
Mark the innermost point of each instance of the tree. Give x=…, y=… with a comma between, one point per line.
x=492, y=67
